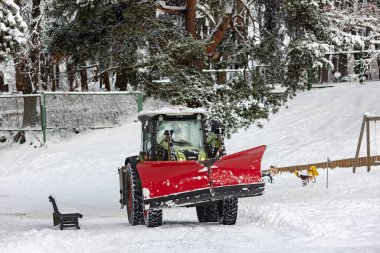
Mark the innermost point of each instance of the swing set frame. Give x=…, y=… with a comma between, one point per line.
x=365, y=124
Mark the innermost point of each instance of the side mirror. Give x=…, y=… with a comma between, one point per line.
x=219, y=130
x=216, y=127
x=149, y=127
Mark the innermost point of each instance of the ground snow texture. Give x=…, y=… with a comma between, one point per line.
x=81, y=172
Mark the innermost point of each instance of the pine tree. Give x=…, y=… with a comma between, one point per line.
x=28, y=59
x=267, y=43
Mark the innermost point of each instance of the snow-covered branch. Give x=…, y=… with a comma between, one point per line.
x=161, y=5
x=12, y=28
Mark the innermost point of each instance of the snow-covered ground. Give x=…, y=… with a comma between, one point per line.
x=82, y=173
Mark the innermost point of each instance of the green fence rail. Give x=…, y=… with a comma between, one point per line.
x=67, y=110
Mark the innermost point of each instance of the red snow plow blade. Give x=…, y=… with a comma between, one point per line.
x=172, y=183
x=238, y=174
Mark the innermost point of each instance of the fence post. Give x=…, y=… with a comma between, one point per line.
x=309, y=78
x=327, y=176
x=139, y=102
x=43, y=117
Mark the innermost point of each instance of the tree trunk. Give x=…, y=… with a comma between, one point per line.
x=35, y=51
x=218, y=35
x=30, y=112
x=106, y=81
x=27, y=68
x=191, y=7
x=242, y=22
x=70, y=74
x=45, y=72
x=53, y=84
x=83, y=79
x=57, y=75
x=271, y=14
x=221, y=77
x=24, y=84
x=1, y=82
x=132, y=78
x=121, y=80
x=54, y=76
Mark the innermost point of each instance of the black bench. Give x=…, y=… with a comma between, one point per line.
x=64, y=220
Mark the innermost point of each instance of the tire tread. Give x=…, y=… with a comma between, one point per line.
x=153, y=218
x=136, y=215
x=229, y=210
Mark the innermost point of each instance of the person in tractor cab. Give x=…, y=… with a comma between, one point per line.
x=178, y=137
x=213, y=143
x=168, y=135
x=181, y=141
x=164, y=144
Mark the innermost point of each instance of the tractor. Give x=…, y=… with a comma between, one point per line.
x=183, y=163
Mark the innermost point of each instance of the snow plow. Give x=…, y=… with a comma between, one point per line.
x=183, y=163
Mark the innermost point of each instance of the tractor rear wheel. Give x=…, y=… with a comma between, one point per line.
x=207, y=213
x=134, y=197
x=228, y=210
x=153, y=217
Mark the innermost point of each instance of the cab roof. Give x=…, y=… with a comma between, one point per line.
x=171, y=111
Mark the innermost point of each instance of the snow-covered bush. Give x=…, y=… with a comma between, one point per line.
x=12, y=28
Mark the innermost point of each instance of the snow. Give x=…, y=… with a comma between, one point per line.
x=172, y=111
x=82, y=173
x=318, y=123
x=146, y=193
x=12, y=23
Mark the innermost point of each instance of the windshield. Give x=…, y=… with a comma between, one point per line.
x=185, y=132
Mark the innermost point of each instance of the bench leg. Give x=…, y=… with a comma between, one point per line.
x=77, y=223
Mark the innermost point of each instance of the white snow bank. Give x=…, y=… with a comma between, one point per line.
x=82, y=173
x=317, y=124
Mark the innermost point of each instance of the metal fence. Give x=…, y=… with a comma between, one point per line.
x=12, y=112
x=67, y=110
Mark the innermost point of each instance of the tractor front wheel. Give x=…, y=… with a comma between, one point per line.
x=153, y=217
x=134, y=197
x=228, y=209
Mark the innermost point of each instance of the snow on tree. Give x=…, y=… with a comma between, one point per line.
x=228, y=56
x=29, y=60
x=12, y=28
x=354, y=34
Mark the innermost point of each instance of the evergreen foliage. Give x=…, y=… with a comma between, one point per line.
x=12, y=28
x=129, y=36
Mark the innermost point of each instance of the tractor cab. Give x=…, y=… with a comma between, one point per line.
x=174, y=135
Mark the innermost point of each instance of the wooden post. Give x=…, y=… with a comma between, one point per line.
x=359, y=143
x=368, y=145
x=369, y=119
x=327, y=178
